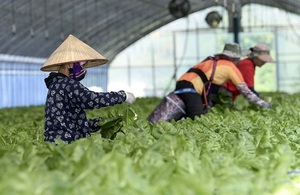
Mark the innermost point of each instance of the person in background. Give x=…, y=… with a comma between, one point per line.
x=193, y=88
x=67, y=98
x=259, y=55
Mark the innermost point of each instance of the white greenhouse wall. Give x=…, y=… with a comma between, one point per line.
x=22, y=82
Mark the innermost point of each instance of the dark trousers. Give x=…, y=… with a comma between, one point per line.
x=192, y=101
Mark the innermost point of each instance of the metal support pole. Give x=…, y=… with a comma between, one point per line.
x=236, y=13
x=174, y=56
x=236, y=29
x=129, y=71
x=277, y=61
x=153, y=71
x=197, y=45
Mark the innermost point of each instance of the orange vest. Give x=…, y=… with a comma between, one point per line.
x=225, y=70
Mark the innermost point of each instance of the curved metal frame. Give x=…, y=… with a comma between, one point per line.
x=109, y=26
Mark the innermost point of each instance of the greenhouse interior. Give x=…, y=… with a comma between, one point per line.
x=237, y=149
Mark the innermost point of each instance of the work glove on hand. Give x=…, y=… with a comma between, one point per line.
x=269, y=100
x=267, y=105
x=130, y=98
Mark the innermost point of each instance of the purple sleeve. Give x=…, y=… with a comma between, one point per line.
x=251, y=97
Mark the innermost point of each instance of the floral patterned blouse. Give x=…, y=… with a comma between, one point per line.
x=67, y=99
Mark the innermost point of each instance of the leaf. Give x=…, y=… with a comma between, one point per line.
x=109, y=127
x=129, y=116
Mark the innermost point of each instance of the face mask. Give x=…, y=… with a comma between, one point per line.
x=77, y=72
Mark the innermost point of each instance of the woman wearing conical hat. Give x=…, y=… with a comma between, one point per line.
x=67, y=98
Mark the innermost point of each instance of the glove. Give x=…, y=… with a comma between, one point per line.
x=268, y=105
x=130, y=98
x=269, y=100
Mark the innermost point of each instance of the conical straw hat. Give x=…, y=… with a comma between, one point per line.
x=73, y=50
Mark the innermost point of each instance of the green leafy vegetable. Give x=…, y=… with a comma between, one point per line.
x=241, y=149
x=110, y=126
